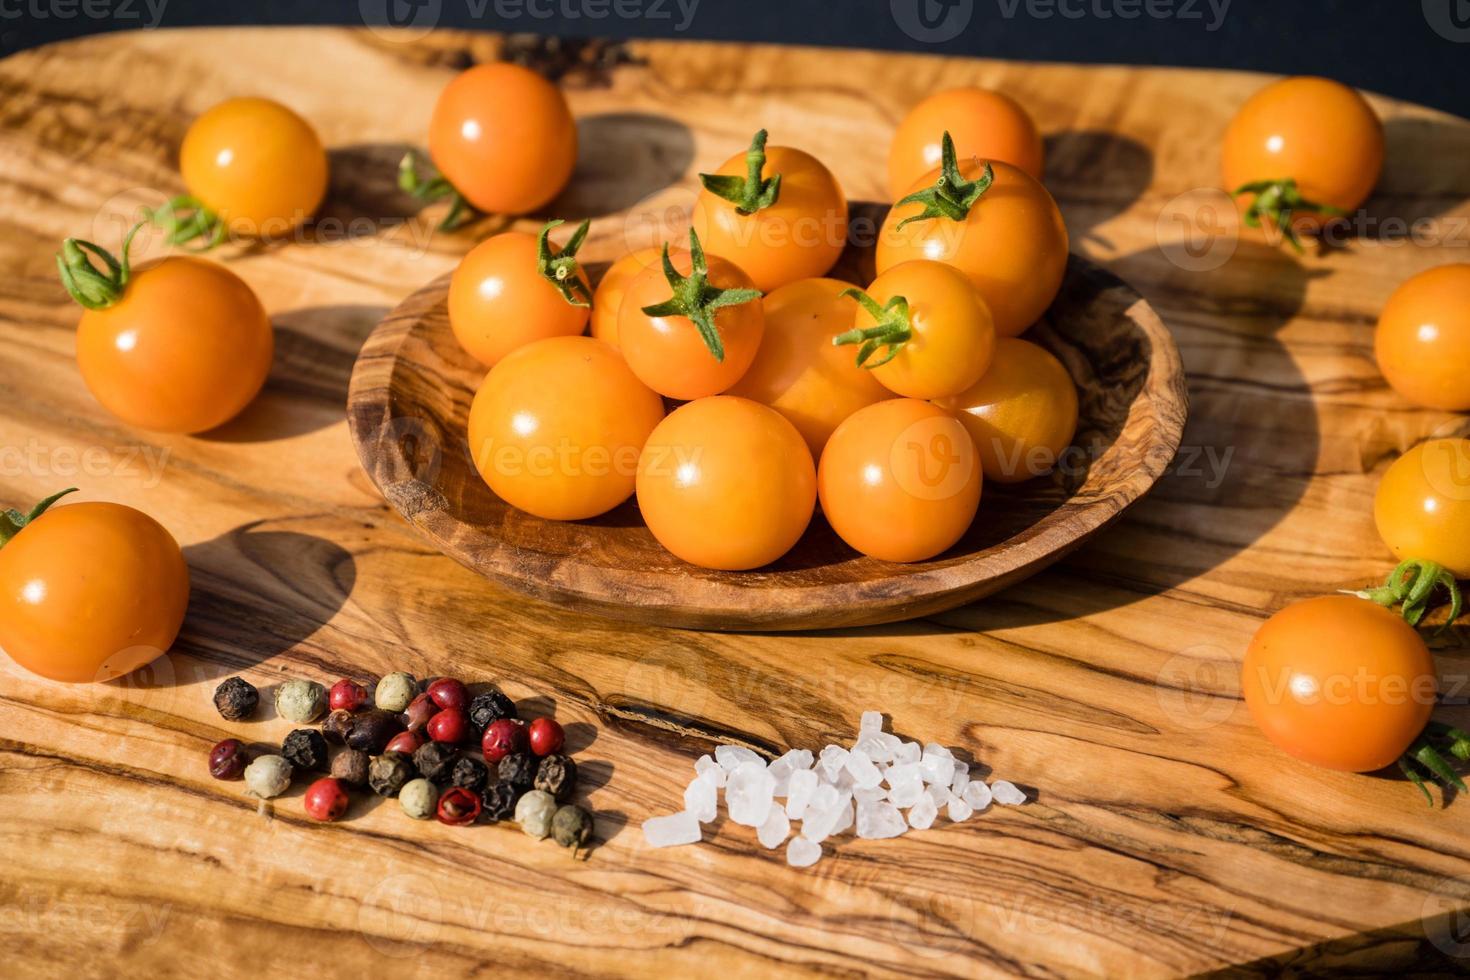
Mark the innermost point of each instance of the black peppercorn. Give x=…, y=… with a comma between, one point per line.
x=388, y=773
x=236, y=699
x=469, y=773
x=571, y=826
x=500, y=801
x=435, y=760
x=337, y=725
x=351, y=766
x=556, y=775
x=305, y=749
x=518, y=769
x=490, y=706
x=371, y=731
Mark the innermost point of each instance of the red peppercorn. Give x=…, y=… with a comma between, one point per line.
x=419, y=711
x=546, y=737
x=449, y=693
x=450, y=725
x=502, y=738
x=326, y=799
x=406, y=742
x=346, y=695
x=227, y=760
x=458, y=807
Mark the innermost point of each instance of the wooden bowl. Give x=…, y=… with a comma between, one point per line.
x=410, y=395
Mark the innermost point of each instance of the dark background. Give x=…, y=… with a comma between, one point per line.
x=1417, y=50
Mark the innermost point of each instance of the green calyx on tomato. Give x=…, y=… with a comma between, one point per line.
x=1411, y=586
x=95, y=288
x=433, y=189
x=951, y=196
x=892, y=329
x=1428, y=756
x=12, y=520
x=749, y=193
x=1278, y=201
x=696, y=299
x=560, y=268
x=186, y=219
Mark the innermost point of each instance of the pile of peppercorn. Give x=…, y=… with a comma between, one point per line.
x=415, y=742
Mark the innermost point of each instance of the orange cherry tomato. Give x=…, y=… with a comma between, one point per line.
x=899, y=480
x=504, y=137
x=668, y=351
x=1021, y=414
x=984, y=124
x=607, y=300
x=1339, y=682
x=178, y=345
x=1011, y=241
x=1316, y=132
x=1422, y=507
x=90, y=591
x=501, y=297
x=923, y=330
x=258, y=166
x=798, y=371
x=1423, y=338
x=797, y=236
x=726, y=483
x=557, y=426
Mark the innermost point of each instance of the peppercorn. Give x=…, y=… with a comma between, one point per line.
x=556, y=775
x=419, y=798
x=395, y=691
x=449, y=725
x=227, y=760
x=545, y=736
x=268, y=776
x=301, y=701
x=434, y=760
x=351, y=766
x=571, y=826
x=406, y=742
x=500, y=801
x=534, y=813
x=458, y=807
x=346, y=695
x=388, y=773
x=371, y=731
x=469, y=773
x=326, y=799
x=305, y=749
x=418, y=712
x=235, y=699
x=449, y=693
x=337, y=725
x=489, y=707
x=504, y=736
x=518, y=769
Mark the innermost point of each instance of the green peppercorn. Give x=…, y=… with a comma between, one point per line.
x=305, y=749
x=534, y=813
x=388, y=773
x=395, y=691
x=268, y=776
x=419, y=798
x=500, y=801
x=351, y=766
x=518, y=769
x=469, y=773
x=235, y=699
x=301, y=701
x=571, y=826
x=557, y=775
x=435, y=760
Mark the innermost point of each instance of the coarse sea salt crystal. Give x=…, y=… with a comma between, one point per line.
x=937, y=769
x=730, y=756
x=701, y=798
x=880, y=820
x=773, y=833
x=869, y=794
x=870, y=722
x=864, y=774
x=708, y=766
x=1007, y=793
x=748, y=793
x=672, y=830
x=799, y=792
x=831, y=761
x=961, y=779
x=939, y=794
x=803, y=853
x=820, y=823
x=978, y=795
x=844, y=818
x=959, y=809
x=922, y=813
x=907, y=794
x=908, y=752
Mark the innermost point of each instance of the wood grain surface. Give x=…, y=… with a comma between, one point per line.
x=1166, y=837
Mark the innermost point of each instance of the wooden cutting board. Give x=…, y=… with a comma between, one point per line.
x=1167, y=836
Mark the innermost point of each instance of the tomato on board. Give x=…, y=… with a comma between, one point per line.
x=899, y=480
x=984, y=124
x=1423, y=338
x=726, y=483
x=253, y=168
x=89, y=591
x=922, y=329
x=515, y=288
x=690, y=326
x=1302, y=150
x=776, y=212
x=1002, y=230
x=607, y=299
x=798, y=371
x=1022, y=414
x=1339, y=682
x=178, y=345
x=557, y=426
x=504, y=137
x=1422, y=507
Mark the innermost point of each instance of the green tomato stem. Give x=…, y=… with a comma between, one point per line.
x=1277, y=202
x=560, y=268
x=695, y=298
x=1411, y=586
x=951, y=196
x=892, y=328
x=431, y=189
x=749, y=193
x=186, y=219
x=12, y=520
x=94, y=288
